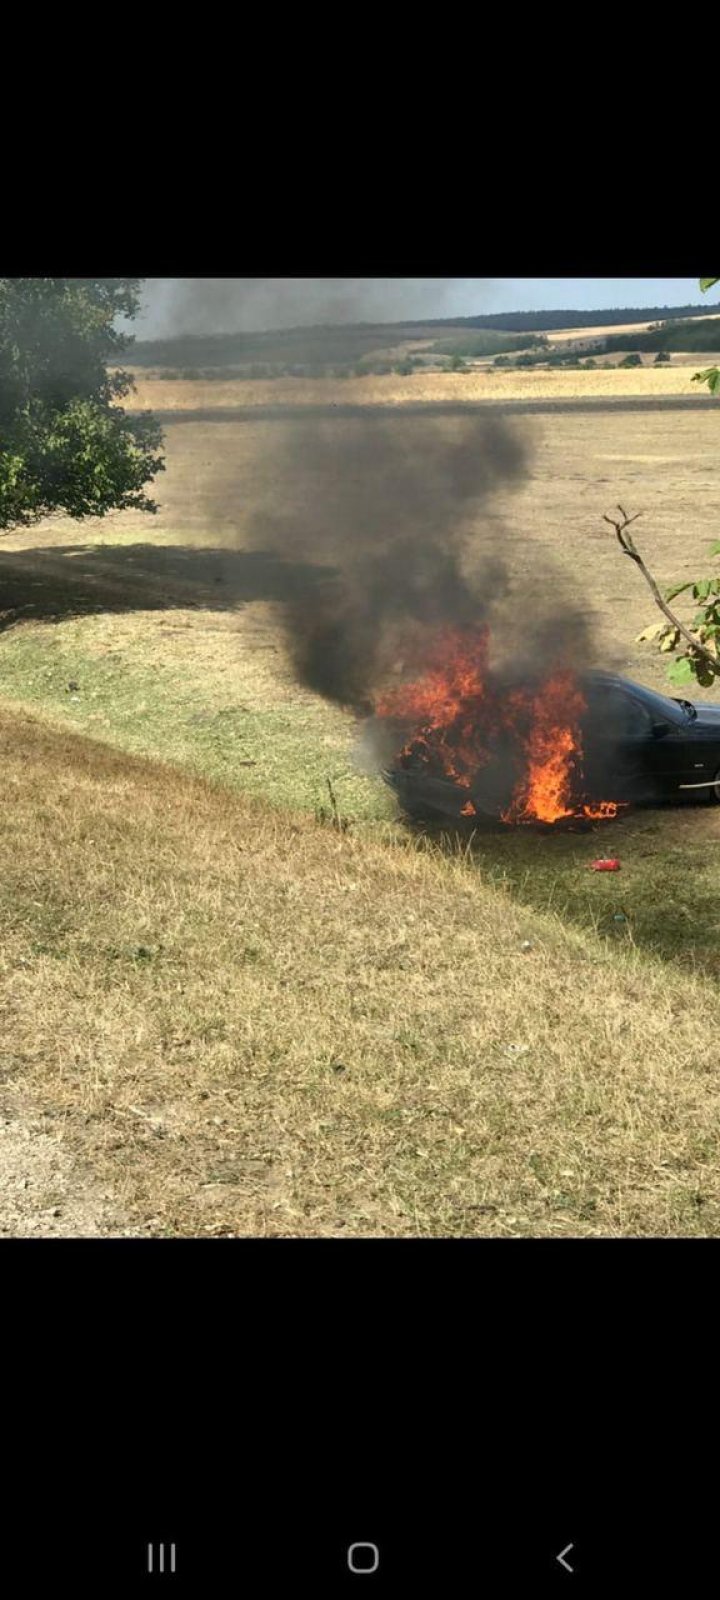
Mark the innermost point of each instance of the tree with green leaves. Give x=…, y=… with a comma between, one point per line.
x=695, y=644
x=66, y=443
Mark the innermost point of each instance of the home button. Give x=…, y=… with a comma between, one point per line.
x=363, y=1558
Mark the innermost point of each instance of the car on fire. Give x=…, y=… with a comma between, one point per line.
x=638, y=748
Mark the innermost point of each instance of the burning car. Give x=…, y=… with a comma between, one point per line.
x=561, y=749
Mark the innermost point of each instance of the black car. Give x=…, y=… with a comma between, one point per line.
x=639, y=747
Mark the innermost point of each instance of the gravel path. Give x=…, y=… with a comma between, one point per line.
x=42, y=1192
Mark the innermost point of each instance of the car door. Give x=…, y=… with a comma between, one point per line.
x=629, y=753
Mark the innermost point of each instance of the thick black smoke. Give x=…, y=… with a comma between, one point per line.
x=397, y=512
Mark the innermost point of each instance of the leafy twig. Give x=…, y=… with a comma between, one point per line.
x=628, y=548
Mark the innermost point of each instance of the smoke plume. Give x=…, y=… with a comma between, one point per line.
x=175, y=306
x=397, y=513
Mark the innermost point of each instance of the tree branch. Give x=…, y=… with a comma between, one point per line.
x=628, y=548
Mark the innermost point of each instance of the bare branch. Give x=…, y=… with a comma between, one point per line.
x=628, y=548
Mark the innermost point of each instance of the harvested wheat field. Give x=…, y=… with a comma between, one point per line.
x=420, y=388
x=224, y=1016
x=602, y=331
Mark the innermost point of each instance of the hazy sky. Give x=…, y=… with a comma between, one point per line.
x=227, y=305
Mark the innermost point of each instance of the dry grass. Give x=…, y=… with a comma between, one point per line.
x=249, y=1024
x=244, y=1022
x=420, y=387
x=198, y=551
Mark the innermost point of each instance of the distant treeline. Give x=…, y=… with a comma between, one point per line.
x=308, y=347
x=489, y=342
x=320, y=347
x=700, y=335
x=307, y=352
x=546, y=321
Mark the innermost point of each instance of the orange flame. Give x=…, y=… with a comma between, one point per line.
x=447, y=705
x=605, y=808
x=553, y=753
x=459, y=717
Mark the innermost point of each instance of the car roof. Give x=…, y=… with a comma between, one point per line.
x=597, y=675
x=613, y=680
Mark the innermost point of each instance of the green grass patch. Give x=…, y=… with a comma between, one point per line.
x=270, y=740
x=283, y=752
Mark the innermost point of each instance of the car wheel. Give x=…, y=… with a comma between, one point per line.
x=715, y=791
